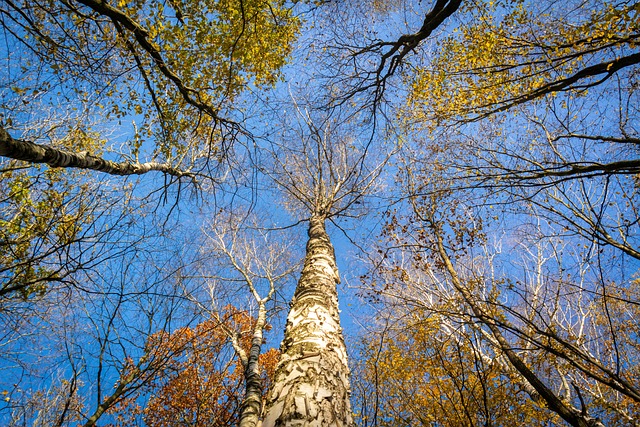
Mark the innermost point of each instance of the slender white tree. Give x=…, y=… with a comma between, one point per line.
x=246, y=253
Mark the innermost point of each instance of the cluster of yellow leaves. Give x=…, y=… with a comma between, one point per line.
x=40, y=216
x=423, y=374
x=506, y=51
x=218, y=49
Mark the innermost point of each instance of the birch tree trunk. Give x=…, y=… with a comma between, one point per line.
x=251, y=405
x=311, y=384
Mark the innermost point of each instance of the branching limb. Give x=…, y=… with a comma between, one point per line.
x=392, y=54
x=576, y=170
x=141, y=34
x=55, y=157
x=580, y=80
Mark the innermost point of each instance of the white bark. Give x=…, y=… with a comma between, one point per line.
x=311, y=385
x=55, y=157
x=251, y=405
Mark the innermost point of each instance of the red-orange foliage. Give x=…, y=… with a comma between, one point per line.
x=200, y=382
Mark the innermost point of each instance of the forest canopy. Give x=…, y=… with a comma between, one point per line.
x=187, y=188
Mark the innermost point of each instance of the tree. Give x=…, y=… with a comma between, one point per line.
x=363, y=56
x=248, y=253
x=312, y=379
x=535, y=113
x=324, y=179
x=556, y=338
x=108, y=62
x=202, y=382
x=137, y=61
x=113, y=61
x=508, y=53
x=91, y=332
x=507, y=120
x=525, y=114
x=45, y=216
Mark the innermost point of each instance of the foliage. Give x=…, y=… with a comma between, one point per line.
x=43, y=216
x=506, y=53
x=176, y=67
x=201, y=383
x=418, y=371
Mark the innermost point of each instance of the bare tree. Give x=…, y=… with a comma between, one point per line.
x=252, y=260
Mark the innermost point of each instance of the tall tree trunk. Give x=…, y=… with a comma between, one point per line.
x=311, y=385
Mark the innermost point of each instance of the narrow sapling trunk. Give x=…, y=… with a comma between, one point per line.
x=252, y=403
x=311, y=385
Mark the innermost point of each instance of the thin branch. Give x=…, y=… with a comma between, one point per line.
x=189, y=94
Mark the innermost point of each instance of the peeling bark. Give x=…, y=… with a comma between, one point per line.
x=311, y=385
x=36, y=153
x=252, y=402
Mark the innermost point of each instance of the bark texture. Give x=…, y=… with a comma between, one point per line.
x=311, y=385
x=36, y=153
x=251, y=406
